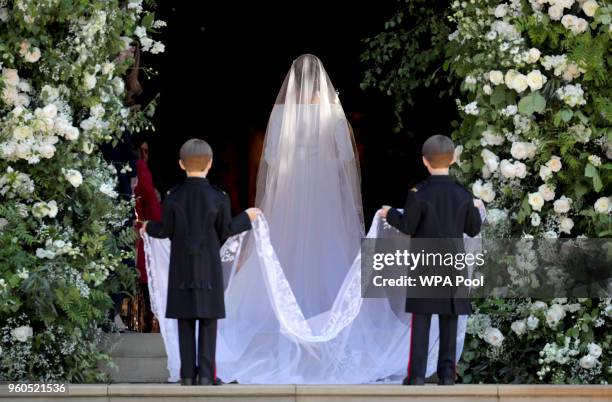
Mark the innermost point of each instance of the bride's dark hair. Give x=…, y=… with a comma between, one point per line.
x=303, y=82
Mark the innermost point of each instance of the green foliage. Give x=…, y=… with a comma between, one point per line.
x=63, y=239
x=408, y=54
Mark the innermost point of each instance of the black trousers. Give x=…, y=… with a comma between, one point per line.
x=207, y=345
x=419, y=346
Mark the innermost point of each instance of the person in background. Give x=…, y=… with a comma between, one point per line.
x=148, y=207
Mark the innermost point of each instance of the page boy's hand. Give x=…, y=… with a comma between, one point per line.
x=143, y=229
x=383, y=211
x=253, y=213
x=478, y=203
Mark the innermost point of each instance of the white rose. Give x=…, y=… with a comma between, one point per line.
x=562, y=205
x=11, y=77
x=580, y=26
x=536, y=201
x=545, y=172
x=485, y=172
x=483, y=191
x=509, y=77
x=501, y=10
x=491, y=138
x=488, y=195
x=522, y=150
x=74, y=177
x=532, y=322
x=590, y=7
x=519, y=82
x=520, y=169
x=603, y=205
x=39, y=209
x=89, y=81
x=568, y=21
x=32, y=55
x=519, y=327
x=506, y=168
x=49, y=111
x=23, y=333
x=566, y=224
x=46, y=150
x=594, y=349
x=554, y=314
x=496, y=77
x=52, y=209
x=487, y=89
x=535, y=219
x=535, y=80
x=533, y=55
x=563, y=3
x=548, y=192
x=588, y=362
x=22, y=132
x=555, y=12
x=71, y=133
x=493, y=336
x=490, y=159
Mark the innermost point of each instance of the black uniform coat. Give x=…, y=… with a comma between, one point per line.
x=197, y=219
x=438, y=208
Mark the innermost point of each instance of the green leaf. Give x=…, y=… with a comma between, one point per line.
x=592, y=172
x=498, y=96
x=563, y=115
x=525, y=210
x=580, y=189
x=534, y=102
x=147, y=20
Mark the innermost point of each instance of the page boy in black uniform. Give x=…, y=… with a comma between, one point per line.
x=197, y=219
x=436, y=208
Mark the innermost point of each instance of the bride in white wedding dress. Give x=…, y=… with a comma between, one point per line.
x=293, y=296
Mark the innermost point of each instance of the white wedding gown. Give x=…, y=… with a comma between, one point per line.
x=293, y=289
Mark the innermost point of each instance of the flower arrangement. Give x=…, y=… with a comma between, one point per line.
x=63, y=234
x=532, y=86
x=536, y=72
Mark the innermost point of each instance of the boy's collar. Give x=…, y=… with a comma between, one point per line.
x=441, y=177
x=196, y=179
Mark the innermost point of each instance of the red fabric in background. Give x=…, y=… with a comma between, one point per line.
x=148, y=209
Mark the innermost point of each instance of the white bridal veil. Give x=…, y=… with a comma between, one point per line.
x=293, y=296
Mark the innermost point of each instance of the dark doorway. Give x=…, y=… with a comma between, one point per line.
x=222, y=69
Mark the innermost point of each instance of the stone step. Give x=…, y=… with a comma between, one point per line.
x=139, y=358
x=135, y=344
x=319, y=393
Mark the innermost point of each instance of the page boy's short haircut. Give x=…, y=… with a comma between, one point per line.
x=195, y=155
x=439, y=151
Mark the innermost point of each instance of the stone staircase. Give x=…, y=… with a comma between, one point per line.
x=139, y=358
